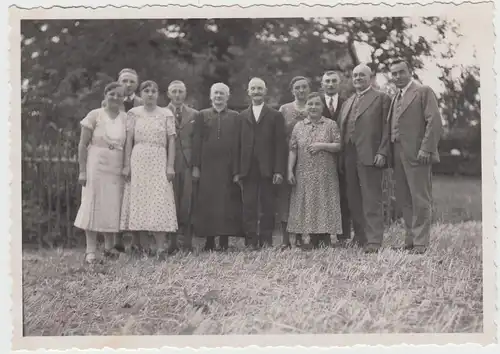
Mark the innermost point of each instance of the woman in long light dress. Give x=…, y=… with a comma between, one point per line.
x=312, y=169
x=100, y=157
x=149, y=203
x=293, y=113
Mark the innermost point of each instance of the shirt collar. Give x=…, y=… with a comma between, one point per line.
x=131, y=97
x=404, y=89
x=216, y=111
x=258, y=106
x=336, y=96
x=362, y=93
x=309, y=121
x=173, y=108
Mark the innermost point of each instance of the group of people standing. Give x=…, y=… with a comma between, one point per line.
x=316, y=164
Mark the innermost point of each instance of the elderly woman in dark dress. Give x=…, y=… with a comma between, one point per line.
x=312, y=169
x=293, y=112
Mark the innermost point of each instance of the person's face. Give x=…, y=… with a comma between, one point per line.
x=314, y=107
x=360, y=78
x=114, y=97
x=300, y=89
x=150, y=94
x=400, y=75
x=219, y=96
x=177, y=94
x=129, y=82
x=257, y=90
x=330, y=84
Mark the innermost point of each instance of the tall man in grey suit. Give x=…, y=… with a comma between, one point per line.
x=416, y=128
x=183, y=184
x=365, y=143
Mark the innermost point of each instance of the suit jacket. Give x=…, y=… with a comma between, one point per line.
x=371, y=134
x=420, y=125
x=184, y=137
x=264, y=139
x=326, y=111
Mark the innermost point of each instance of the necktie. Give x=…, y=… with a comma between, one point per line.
x=331, y=108
x=178, y=116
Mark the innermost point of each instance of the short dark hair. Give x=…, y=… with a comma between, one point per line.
x=148, y=83
x=111, y=86
x=299, y=78
x=400, y=60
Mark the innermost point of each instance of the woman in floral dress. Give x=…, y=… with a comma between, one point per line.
x=100, y=157
x=315, y=200
x=149, y=204
x=293, y=113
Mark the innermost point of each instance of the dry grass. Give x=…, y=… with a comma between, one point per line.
x=324, y=291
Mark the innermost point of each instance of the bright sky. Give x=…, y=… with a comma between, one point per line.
x=430, y=74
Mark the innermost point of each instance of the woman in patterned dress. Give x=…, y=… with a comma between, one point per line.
x=315, y=200
x=100, y=157
x=293, y=113
x=148, y=203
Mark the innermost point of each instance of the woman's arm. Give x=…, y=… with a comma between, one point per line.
x=171, y=135
x=85, y=138
x=330, y=147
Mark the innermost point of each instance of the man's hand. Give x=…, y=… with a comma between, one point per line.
x=237, y=180
x=196, y=173
x=277, y=178
x=424, y=157
x=379, y=160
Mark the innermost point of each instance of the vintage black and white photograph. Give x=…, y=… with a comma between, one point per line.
x=280, y=175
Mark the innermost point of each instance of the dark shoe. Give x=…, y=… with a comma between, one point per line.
x=418, y=250
x=402, y=248
x=307, y=247
x=119, y=248
x=111, y=254
x=371, y=249
x=136, y=250
x=187, y=249
x=172, y=250
x=285, y=246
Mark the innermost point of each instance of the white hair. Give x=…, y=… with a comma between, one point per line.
x=221, y=86
x=177, y=83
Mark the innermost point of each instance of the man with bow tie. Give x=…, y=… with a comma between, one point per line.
x=415, y=130
x=183, y=189
x=365, y=144
x=332, y=102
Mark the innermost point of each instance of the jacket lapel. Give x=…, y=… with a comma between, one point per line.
x=366, y=101
x=263, y=113
x=345, y=112
x=408, y=98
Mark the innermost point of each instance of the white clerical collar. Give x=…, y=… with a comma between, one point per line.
x=258, y=106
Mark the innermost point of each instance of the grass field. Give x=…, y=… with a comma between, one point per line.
x=324, y=291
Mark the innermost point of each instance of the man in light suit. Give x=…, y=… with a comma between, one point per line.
x=130, y=81
x=365, y=144
x=332, y=106
x=184, y=122
x=259, y=164
x=415, y=130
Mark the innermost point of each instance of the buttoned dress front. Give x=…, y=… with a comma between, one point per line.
x=149, y=203
x=102, y=195
x=315, y=199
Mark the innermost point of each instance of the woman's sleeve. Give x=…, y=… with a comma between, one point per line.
x=90, y=120
x=130, y=121
x=170, y=123
x=294, y=144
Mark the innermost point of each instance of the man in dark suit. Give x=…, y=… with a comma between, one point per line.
x=183, y=184
x=415, y=130
x=332, y=102
x=259, y=164
x=365, y=142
